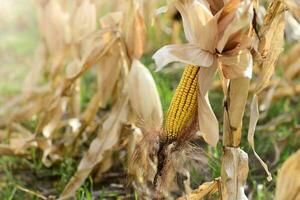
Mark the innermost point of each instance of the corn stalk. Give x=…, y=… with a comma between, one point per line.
x=235, y=161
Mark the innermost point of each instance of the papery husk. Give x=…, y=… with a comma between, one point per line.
x=207, y=121
x=186, y=53
x=143, y=96
x=288, y=182
x=196, y=18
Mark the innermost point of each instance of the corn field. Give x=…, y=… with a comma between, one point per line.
x=139, y=99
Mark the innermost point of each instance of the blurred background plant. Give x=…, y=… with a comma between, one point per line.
x=44, y=44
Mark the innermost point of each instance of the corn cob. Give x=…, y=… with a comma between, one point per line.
x=183, y=105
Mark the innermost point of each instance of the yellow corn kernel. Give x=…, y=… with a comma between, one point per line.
x=184, y=103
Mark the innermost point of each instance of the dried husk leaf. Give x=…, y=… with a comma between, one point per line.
x=208, y=123
x=196, y=16
x=185, y=53
x=288, y=182
x=238, y=19
x=143, y=95
x=237, y=65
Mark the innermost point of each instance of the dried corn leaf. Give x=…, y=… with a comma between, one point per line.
x=143, y=96
x=35, y=75
x=92, y=51
x=107, y=138
x=202, y=191
x=134, y=30
x=271, y=42
x=54, y=25
x=83, y=21
x=112, y=20
x=108, y=71
x=288, y=182
x=254, y=116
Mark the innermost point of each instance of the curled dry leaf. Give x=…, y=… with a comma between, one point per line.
x=254, y=116
x=270, y=46
x=288, y=182
x=106, y=139
x=143, y=95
